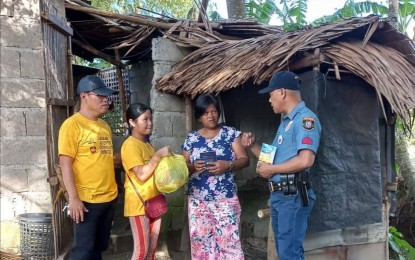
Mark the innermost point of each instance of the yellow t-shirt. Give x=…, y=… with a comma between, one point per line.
x=136, y=153
x=89, y=143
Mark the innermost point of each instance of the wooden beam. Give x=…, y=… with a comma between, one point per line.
x=121, y=89
x=60, y=102
x=129, y=18
x=309, y=60
x=98, y=53
x=108, y=21
x=57, y=22
x=264, y=213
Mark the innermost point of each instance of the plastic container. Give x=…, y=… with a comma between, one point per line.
x=36, y=236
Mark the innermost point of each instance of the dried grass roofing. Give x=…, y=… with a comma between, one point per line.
x=228, y=54
x=368, y=47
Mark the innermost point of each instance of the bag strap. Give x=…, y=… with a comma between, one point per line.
x=135, y=188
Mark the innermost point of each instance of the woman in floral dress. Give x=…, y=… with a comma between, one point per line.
x=213, y=205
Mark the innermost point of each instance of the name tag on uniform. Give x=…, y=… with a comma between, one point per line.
x=288, y=126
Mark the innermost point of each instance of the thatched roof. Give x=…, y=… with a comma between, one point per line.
x=131, y=35
x=229, y=54
x=368, y=47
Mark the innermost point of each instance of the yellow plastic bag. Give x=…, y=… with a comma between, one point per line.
x=171, y=173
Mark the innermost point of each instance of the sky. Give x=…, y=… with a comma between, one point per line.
x=316, y=9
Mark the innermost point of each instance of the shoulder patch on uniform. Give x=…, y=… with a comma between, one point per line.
x=308, y=123
x=307, y=140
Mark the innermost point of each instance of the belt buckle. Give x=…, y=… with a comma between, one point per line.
x=271, y=186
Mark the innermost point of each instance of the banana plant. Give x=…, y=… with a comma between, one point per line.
x=406, y=12
x=400, y=247
x=291, y=12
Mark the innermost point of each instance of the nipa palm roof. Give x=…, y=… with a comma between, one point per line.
x=367, y=47
x=229, y=54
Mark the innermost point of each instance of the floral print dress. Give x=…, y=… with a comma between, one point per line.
x=213, y=206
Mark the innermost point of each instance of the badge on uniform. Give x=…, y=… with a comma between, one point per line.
x=280, y=139
x=307, y=140
x=308, y=123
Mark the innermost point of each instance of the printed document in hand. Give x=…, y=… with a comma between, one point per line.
x=207, y=157
x=267, y=153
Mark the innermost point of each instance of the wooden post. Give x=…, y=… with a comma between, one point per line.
x=185, y=239
x=70, y=86
x=121, y=88
x=189, y=116
x=264, y=213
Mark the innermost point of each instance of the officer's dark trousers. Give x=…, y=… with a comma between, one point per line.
x=289, y=223
x=91, y=236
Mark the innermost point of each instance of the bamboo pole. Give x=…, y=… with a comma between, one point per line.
x=121, y=89
x=202, y=11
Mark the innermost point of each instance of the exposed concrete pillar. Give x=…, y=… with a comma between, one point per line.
x=169, y=118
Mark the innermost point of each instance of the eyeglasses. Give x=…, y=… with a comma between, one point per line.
x=102, y=97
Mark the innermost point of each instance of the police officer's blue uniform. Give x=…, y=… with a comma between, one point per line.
x=298, y=130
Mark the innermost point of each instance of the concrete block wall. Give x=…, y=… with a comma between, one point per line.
x=169, y=120
x=141, y=76
x=23, y=163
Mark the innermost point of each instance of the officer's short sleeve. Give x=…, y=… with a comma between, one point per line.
x=308, y=132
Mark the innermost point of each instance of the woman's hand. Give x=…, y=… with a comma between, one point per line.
x=164, y=152
x=199, y=166
x=218, y=167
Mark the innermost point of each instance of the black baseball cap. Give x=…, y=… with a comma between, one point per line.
x=282, y=79
x=92, y=83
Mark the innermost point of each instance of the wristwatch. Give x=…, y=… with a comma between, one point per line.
x=230, y=166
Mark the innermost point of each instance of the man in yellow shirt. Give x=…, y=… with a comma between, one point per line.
x=87, y=162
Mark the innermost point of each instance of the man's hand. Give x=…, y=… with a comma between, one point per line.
x=77, y=209
x=248, y=139
x=264, y=169
x=117, y=158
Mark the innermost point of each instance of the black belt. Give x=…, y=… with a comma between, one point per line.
x=288, y=184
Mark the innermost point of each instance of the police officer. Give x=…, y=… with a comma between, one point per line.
x=297, y=141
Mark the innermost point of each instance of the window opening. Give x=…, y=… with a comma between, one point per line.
x=114, y=116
